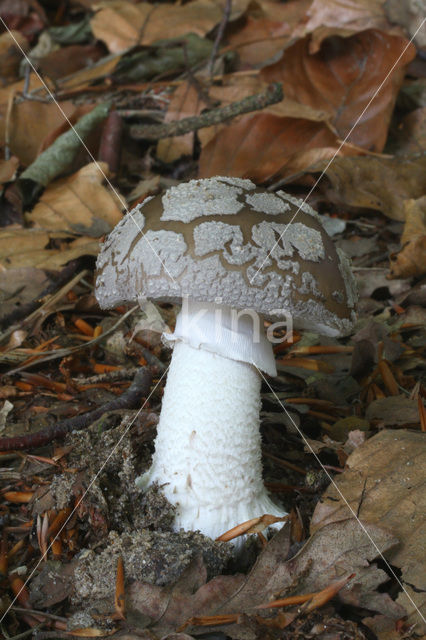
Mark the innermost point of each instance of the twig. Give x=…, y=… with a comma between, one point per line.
x=273, y=94
x=25, y=634
x=111, y=376
x=22, y=311
x=49, y=616
x=61, y=353
x=128, y=400
x=219, y=36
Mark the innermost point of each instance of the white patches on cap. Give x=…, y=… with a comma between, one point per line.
x=299, y=204
x=338, y=296
x=190, y=200
x=310, y=286
x=267, y=203
x=158, y=247
x=282, y=239
x=248, y=185
x=348, y=279
x=219, y=236
x=113, y=259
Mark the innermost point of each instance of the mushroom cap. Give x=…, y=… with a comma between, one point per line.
x=224, y=240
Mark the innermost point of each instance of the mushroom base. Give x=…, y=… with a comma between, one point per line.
x=208, y=451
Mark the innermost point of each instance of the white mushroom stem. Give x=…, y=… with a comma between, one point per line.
x=208, y=451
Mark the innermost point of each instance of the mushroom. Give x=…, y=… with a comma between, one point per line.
x=232, y=254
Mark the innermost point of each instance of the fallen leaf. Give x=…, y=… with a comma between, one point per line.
x=20, y=286
x=28, y=248
x=410, y=16
x=80, y=204
x=60, y=154
x=375, y=183
x=263, y=145
x=122, y=25
x=342, y=78
x=10, y=54
x=68, y=60
x=185, y=101
x=265, y=32
x=328, y=555
x=384, y=483
x=410, y=137
x=394, y=410
x=341, y=18
x=85, y=77
x=411, y=260
x=8, y=169
x=25, y=139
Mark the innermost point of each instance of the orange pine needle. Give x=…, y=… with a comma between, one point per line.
x=255, y=525
x=317, y=599
x=322, y=597
x=305, y=363
x=422, y=413
x=4, y=559
x=18, y=497
x=97, y=331
x=58, y=521
x=388, y=378
x=322, y=349
x=16, y=547
x=84, y=327
x=378, y=393
x=24, y=386
x=105, y=368
x=203, y=621
x=119, y=601
x=90, y=632
x=19, y=589
x=44, y=381
x=56, y=547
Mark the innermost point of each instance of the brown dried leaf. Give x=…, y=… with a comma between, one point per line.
x=342, y=78
x=121, y=24
x=8, y=169
x=66, y=60
x=375, y=183
x=27, y=248
x=10, y=54
x=394, y=411
x=411, y=260
x=79, y=203
x=168, y=608
x=263, y=145
x=25, y=138
x=384, y=483
x=410, y=137
x=85, y=77
x=331, y=553
x=187, y=101
x=341, y=18
x=266, y=31
x=184, y=103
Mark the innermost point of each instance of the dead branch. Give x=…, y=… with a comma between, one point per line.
x=273, y=94
x=128, y=400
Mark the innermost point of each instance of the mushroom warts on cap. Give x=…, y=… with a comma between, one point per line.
x=224, y=237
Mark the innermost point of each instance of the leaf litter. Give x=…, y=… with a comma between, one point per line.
x=114, y=567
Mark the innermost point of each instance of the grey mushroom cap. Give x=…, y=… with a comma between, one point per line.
x=225, y=240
